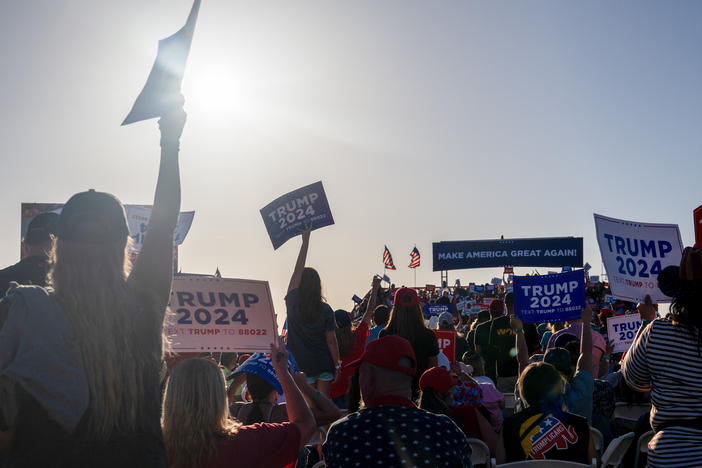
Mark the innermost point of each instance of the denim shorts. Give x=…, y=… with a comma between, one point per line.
x=324, y=376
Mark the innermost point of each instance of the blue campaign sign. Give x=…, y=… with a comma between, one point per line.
x=539, y=252
x=286, y=216
x=436, y=309
x=356, y=299
x=479, y=289
x=549, y=298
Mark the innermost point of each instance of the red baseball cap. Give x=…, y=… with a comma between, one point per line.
x=386, y=352
x=437, y=378
x=406, y=297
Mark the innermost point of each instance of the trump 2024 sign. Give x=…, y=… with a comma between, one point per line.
x=549, y=298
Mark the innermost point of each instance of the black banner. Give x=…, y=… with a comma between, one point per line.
x=541, y=252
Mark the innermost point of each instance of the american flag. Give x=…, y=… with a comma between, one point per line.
x=414, y=258
x=217, y=273
x=387, y=259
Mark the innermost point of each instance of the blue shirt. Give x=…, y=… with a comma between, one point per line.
x=578, y=395
x=396, y=434
x=373, y=333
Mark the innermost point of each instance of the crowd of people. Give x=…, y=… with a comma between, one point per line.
x=83, y=381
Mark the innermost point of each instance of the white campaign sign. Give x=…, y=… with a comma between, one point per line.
x=634, y=253
x=622, y=330
x=138, y=220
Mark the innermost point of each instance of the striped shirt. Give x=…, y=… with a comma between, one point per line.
x=667, y=359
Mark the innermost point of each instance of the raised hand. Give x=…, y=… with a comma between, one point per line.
x=171, y=124
x=279, y=357
x=647, y=310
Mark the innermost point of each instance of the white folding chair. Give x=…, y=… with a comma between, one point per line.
x=480, y=453
x=597, y=440
x=547, y=464
x=617, y=449
x=642, y=446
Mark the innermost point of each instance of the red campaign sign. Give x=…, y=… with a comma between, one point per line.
x=447, y=343
x=509, y=271
x=697, y=216
x=430, y=287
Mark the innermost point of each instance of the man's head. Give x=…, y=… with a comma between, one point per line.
x=561, y=360
x=483, y=316
x=386, y=368
x=381, y=314
x=541, y=384
x=446, y=321
x=40, y=235
x=497, y=308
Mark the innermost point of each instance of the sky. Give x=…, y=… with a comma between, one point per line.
x=426, y=121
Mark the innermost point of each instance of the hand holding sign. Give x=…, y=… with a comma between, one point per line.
x=647, y=310
x=172, y=123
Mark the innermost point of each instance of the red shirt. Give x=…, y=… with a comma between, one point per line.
x=342, y=385
x=259, y=445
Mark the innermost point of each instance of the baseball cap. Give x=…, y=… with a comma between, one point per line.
x=386, y=352
x=406, y=297
x=437, y=378
x=342, y=318
x=92, y=217
x=41, y=228
x=446, y=317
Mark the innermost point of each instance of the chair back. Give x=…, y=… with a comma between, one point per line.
x=642, y=446
x=480, y=453
x=617, y=449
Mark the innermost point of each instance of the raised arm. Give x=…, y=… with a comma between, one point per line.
x=323, y=409
x=585, y=361
x=520, y=343
x=372, y=300
x=154, y=266
x=298, y=411
x=301, y=259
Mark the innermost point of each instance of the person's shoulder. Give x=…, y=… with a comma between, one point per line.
x=580, y=422
x=292, y=295
x=326, y=308
x=342, y=423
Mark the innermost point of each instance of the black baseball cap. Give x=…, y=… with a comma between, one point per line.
x=93, y=217
x=41, y=228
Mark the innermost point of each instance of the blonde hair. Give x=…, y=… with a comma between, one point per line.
x=90, y=283
x=195, y=413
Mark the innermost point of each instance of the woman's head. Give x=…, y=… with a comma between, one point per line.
x=310, y=295
x=684, y=284
x=261, y=393
x=406, y=318
x=541, y=385
x=195, y=413
x=344, y=334
x=89, y=279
